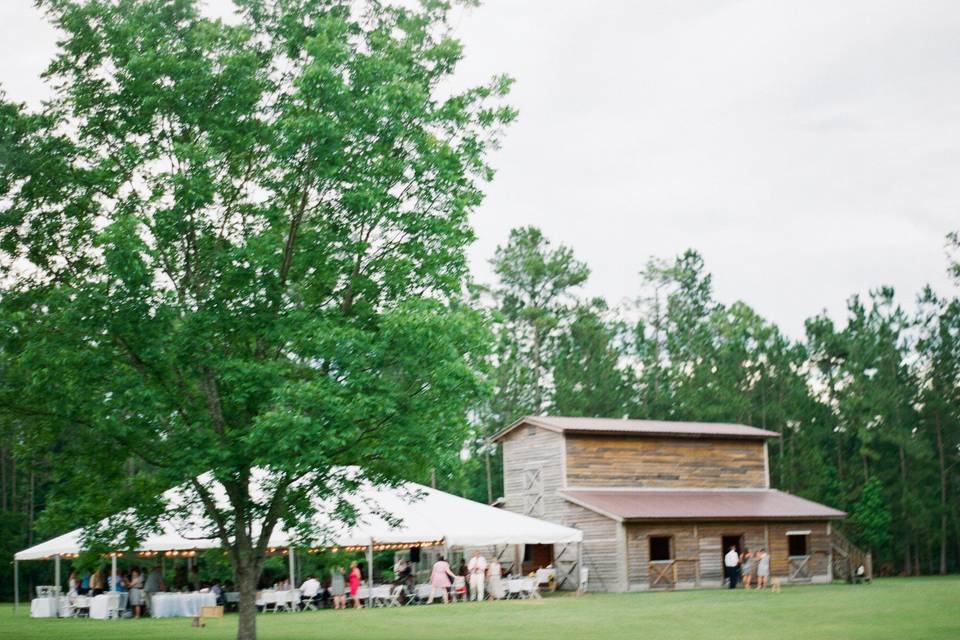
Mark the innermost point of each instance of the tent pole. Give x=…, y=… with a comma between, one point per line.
x=370, y=574
x=56, y=572
x=293, y=568
x=113, y=571
x=16, y=587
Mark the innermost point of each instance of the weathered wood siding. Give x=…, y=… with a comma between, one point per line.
x=684, y=546
x=527, y=449
x=818, y=547
x=617, y=461
x=603, y=547
x=701, y=541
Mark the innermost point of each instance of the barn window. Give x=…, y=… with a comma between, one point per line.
x=661, y=548
x=797, y=543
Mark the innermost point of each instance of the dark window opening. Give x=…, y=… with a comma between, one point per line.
x=797, y=544
x=660, y=548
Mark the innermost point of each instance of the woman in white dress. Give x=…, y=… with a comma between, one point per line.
x=494, y=582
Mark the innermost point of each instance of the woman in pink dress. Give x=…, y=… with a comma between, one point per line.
x=355, y=583
x=440, y=579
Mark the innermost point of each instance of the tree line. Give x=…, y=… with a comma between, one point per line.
x=868, y=409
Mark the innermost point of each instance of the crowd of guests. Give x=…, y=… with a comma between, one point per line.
x=480, y=578
x=141, y=584
x=743, y=567
x=341, y=589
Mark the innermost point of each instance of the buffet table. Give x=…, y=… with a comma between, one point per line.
x=172, y=605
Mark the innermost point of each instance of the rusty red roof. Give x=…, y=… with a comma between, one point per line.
x=699, y=504
x=640, y=427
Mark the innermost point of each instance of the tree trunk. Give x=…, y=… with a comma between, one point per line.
x=943, y=496
x=3, y=479
x=247, y=577
x=32, y=496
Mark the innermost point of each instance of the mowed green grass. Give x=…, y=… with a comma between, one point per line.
x=914, y=608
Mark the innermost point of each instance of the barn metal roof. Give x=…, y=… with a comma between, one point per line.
x=639, y=427
x=700, y=504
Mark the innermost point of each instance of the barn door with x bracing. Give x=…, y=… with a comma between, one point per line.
x=533, y=491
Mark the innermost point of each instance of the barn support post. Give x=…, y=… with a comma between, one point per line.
x=370, y=574
x=579, y=572
x=830, y=554
x=16, y=587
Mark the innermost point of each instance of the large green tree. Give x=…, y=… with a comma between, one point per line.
x=238, y=246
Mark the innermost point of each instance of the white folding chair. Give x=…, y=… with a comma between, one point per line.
x=117, y=604
x=308, y=603
x=514, y=588
x=459, y=588
x=80, y=607
x=531, y=589
x=393, y=600
x=422, y=593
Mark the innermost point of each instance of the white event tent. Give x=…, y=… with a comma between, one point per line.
x=408, y=515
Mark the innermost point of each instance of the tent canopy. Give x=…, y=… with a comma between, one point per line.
x=408, y=514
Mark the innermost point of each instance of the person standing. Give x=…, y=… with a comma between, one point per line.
x=731, y=563
x=763, y=569
x=135, y=584
x=494, y=581
x=355, y=578
x=154, y=584
x=97, y=582
x=440, y=579
x=746, y=567
x=338, y=588
x=478, y=569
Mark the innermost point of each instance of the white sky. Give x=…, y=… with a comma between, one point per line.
x=808, y=149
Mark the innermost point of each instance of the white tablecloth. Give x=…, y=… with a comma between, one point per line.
x=172, y=605
x=99, y=606
x=45, y=607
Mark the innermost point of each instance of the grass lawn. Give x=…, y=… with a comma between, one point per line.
x=895, y=608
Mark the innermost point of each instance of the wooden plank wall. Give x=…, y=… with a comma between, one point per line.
x=528, y=447
x=603, y=547
x=618, y=461
x=818, y=547
x=702, y=541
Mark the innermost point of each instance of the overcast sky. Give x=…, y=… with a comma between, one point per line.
x=807, y=149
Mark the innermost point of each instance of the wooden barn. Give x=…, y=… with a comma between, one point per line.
x=659, y=502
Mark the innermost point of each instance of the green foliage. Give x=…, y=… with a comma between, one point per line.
x=871, y=517
x=229, y=246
